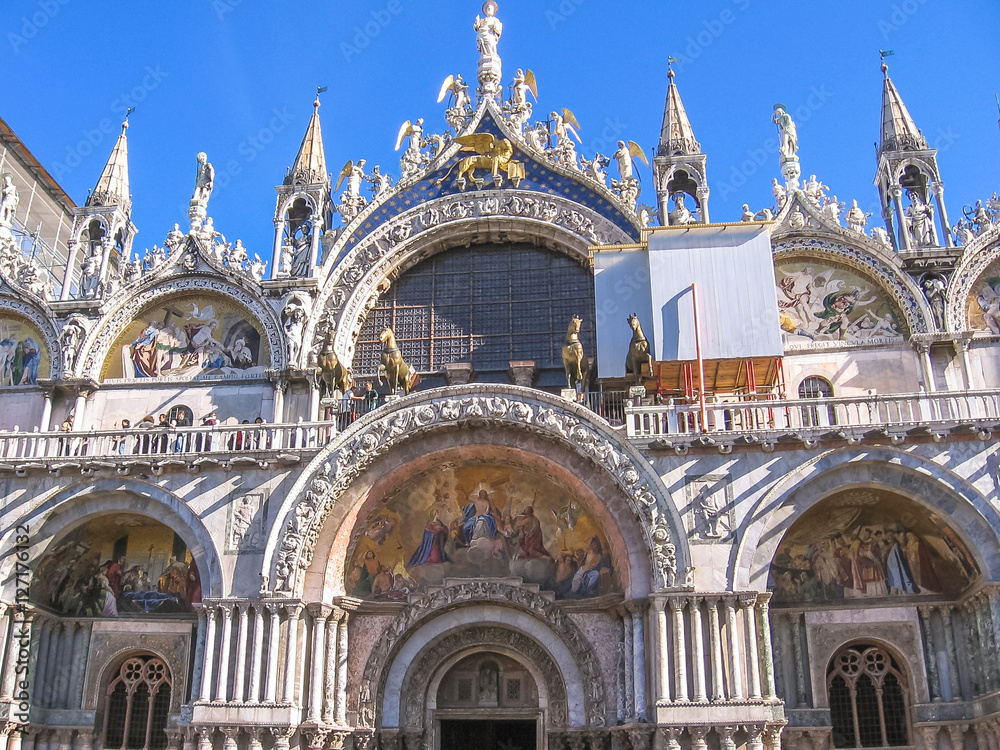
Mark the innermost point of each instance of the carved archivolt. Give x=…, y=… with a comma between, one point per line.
x=317, y=491
x=43, y=322
x=437, y=602
x=903, y=292
x=103, y=335
x=352, y=287
x=973, y=266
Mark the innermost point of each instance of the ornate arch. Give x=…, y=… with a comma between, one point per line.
x=93, y=692
x=285, y=201
x=71, y=506
x=36, y=311
x=901, y=289
x=978, y=256
x=355, y=282
x=320, y=486
x=906, y=474
x=103, y=335
x=523, y=602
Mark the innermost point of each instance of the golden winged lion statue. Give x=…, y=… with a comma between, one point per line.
x=492, y=153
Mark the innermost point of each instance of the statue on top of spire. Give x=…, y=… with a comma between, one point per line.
x=203, y=184
x=488, y=30
x=788, y=145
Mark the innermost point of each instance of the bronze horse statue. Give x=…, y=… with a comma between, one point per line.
x=397, y=372
x=638, y=351
x=333, y=374
x=575, y=362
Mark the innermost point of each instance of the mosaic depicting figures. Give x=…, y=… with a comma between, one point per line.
x=983, y=304
x=118, y=566
x=481, y=520
x=23, y=357
x=186, y=338
x=819, y=302
x=863, y=544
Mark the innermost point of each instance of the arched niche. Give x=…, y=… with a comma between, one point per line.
x=929, y=487
x=866, y=544
x=981, y=304
x=189, y=336
x=482, y=512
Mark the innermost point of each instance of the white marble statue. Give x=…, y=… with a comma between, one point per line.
x=748, y=215
x=204, y=180
x=882, y=237
x=919, y=220
x=624, y=159
x=8, y=204
x=963, y=232
x=488, y=30
x=90, y=277
x=174, y=237
x=832, y=208
x=779, y=193
x=856, y=218
x=378, y=182
x=788, y=138
x=681, y=214
x=814, y=189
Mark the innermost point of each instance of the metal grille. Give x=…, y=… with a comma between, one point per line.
x=487, y=305
x=465, y=690
x=130, y=721
x=514, y=691
x=868, y=703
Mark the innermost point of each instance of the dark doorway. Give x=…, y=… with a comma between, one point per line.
x=488, y=734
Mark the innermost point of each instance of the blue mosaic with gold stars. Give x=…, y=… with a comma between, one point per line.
x=538, y=177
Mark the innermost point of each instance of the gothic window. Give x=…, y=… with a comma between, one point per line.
x=868, y=700
x=814, y=387
x=137, y=704
x=487, y=305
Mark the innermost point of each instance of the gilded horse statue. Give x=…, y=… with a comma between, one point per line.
x=333, y=374
x=575, y=362
x=638, y=351
x=397, y=372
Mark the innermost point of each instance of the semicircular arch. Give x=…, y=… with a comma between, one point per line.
x=41, y=317
x=922, y=482
x=323, y=487
x=901, y=290
x=70, y=507
x=354, y=283
x=102, y=337
x=981, y=256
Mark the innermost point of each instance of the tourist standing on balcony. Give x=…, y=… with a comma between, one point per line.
x=369, y=397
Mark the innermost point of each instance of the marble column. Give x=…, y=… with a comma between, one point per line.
x=680, y=655
x=319, y=613
x=282, y=737
x=664, y=651
x=629, y=681
x=715, y=648
x=801, y=699
x=207, y=671
x=18, y=649
x=340, y=706
x=222, y=690
x=330, y=666
x=986, y=650
x=85, y=740
x=933, y=682
x=949, y=646
x=726, y=733
x=697, y=651
x=256, y=654
x=60, y=668
x=255, y=738
x=733, y=644
x=239, y=680
x=755, y=737
x=669, y=737
x=638, y=610
x=973, y=651
x=6, y=644
x=748, y=604
x=81, y=648
x=273, y=631
x=772, y=738
x=46, y=420
x=14, y=740
x=44, y=629
x=956, y=733
x=767, y=652
x=198, y=673
x=698, y=737
x=291, y=653
x=229, y=735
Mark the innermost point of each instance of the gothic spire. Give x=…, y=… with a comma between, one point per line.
x=676, y=136
x=112, y=187
x=899, y=132
x=310, y=163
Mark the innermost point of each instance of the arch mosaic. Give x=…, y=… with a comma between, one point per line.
x=972, y=297
x=901, y=290
x=387, y=649
x=29, y=349
x=354, y=283
x=332, y=472
x=69, y=507
x=98, y=343
x=970, y=514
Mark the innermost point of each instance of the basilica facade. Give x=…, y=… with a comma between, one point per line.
x=478, y=456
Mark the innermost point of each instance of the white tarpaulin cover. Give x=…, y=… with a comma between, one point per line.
x=738, y=310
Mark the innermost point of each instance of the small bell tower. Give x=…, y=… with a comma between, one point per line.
x=304, y=210
x=679, y=166
x=101, y=239
x=907, y=177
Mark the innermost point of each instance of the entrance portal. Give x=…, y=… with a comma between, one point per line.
x=488, y=734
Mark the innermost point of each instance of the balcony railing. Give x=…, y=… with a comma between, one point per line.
x=900, y=411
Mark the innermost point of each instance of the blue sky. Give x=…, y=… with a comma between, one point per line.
x=236, y=78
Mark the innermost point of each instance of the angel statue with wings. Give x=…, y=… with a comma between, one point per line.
x=518, y=108
x=628, y=186
x=459, y=103
x=564, y=125
x=351, y=200
x=413, y=158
